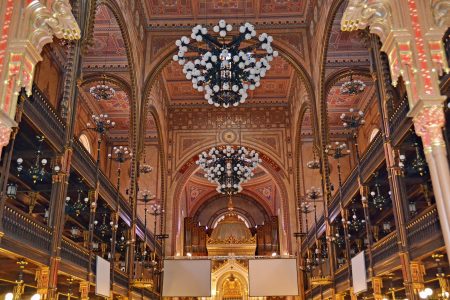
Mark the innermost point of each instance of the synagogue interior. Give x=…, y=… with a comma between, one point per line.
x=224, y=149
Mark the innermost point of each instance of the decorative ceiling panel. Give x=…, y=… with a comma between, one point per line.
x=167, y=8
x=108, y=47
x=345, y=46
x=170, y=13
x=283, y=7
x=220, y=7
x=274, y=87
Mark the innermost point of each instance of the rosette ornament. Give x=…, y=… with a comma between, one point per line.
x=229, y=167
x=225, y=67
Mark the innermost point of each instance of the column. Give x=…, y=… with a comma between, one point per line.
x=6, y=163
x=377, y=286
x=411, y=32
x=84, y=290
x=42, y=278
x=417, y=270
x=380, y=65
x=56, y=219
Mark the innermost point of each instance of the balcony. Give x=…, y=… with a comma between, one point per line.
x=42, y=115
x=424, y=233
x=74, y=253
x=385, y=253
x=21, y=227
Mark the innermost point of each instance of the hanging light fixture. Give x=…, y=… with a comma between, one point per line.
x=11, y=189
x=101, y=123
x=378, y=199
x=224, y=67
x=419, y=163
x=354, y=119
x=352, y=87
x=37, y=170
x=102, y=91
x=228, y=167
x=355, y=223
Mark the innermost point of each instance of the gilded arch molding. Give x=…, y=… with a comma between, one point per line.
x=180, y=182
x=114, y=7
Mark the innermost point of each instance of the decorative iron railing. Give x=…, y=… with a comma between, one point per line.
x=45, y=118
x=385, y=248
x=399, y=117
x=23, y=228
x=424, y=227
x=74, y=253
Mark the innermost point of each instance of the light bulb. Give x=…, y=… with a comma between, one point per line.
x=9, y=296
x=36, y=297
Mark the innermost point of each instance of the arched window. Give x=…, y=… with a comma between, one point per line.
x=85, y=142
x=373, y=134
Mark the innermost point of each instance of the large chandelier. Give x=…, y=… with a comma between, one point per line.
x=223, y=67
x=228, y=167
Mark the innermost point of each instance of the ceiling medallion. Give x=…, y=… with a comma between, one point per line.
x=228, y=167
x=352, y=87
x=225, y=67
x=102, y=91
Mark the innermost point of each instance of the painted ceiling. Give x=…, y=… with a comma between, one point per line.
x=345, y=50
x=261, y=187
x=274, y=87
x=163, y=13
x=108, y=48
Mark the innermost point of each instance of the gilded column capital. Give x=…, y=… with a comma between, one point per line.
x=428, y=124
x=84, y=290
x=42, y=281
x=361, y=14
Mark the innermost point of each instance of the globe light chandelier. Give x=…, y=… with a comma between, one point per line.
x=228, y=167
x=352, y=87
x=102, y=91
x=225, y=67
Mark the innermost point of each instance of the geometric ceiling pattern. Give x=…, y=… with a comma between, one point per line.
x=161, y=13
x=107, y=55
x=261, y=187
x=108, y=49
x=345, y=49
x=274, y=87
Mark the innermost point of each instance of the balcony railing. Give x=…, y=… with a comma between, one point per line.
x=341, y=275
x=42, y=114
x=423, y=229
x=23, y=228
x=399, y=117
x=74, y=253
x=121, y=278
x=385, y=248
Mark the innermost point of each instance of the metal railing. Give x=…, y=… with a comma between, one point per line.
x=23, y=228
x=385, y=248
x=74, y=253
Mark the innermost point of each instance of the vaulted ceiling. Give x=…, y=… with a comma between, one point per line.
x=345, y=51
x=108, y=56
x=164, y=13
x=274, y=87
